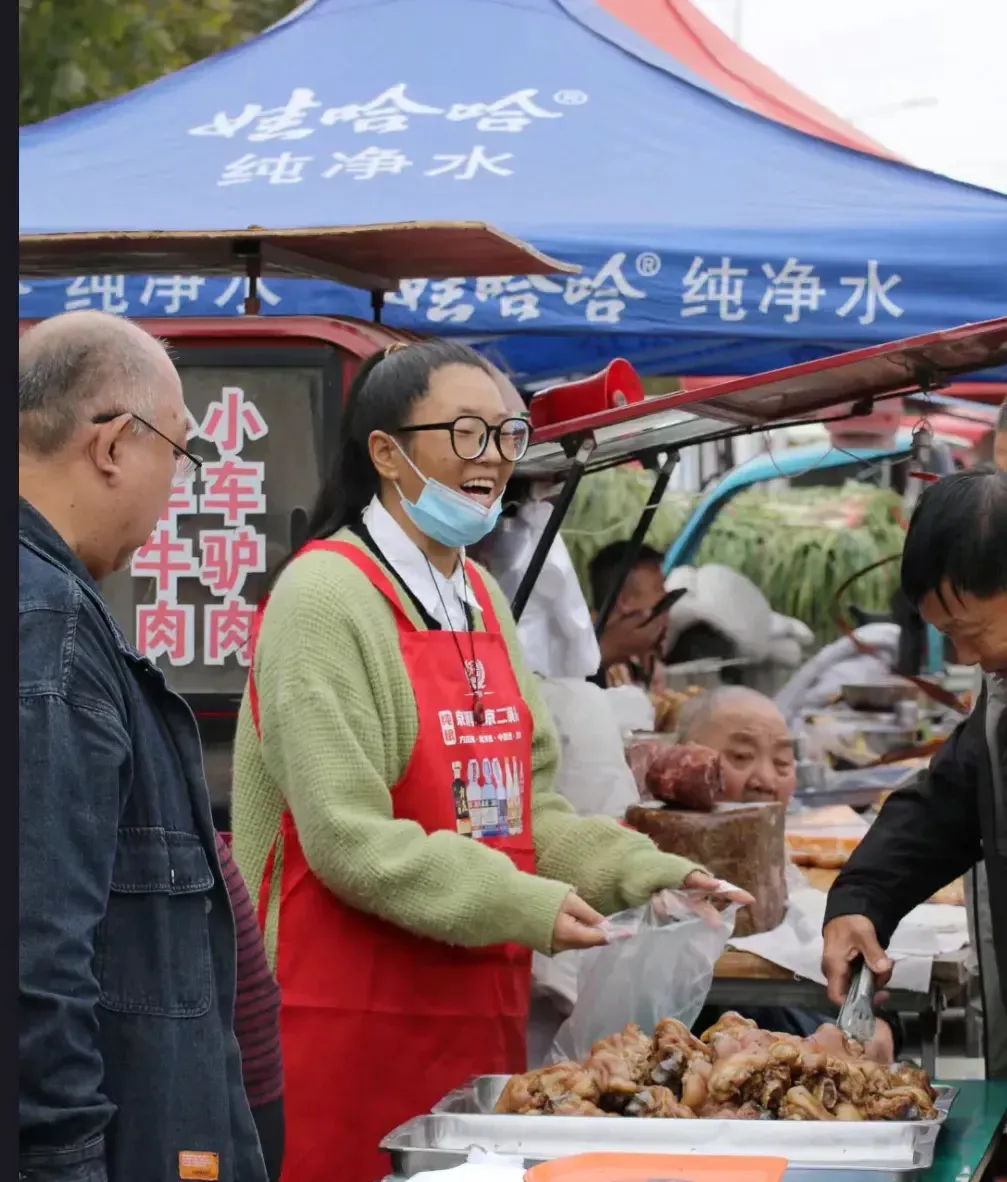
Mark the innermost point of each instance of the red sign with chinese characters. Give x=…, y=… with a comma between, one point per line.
x=222, y=558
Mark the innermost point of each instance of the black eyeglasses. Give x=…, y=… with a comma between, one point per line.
x=470, y=436
x=186, y=464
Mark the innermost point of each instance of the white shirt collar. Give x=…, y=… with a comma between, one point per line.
x=431, y=588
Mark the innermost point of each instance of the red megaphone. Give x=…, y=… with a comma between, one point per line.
x=616, y=385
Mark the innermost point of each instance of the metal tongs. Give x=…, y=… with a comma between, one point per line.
x=856, y=1018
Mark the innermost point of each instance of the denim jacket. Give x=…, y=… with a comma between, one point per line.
x=129, y=1069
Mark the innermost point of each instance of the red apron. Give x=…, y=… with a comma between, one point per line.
x=378, y=1024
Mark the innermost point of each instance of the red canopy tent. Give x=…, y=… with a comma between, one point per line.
x=681, y=31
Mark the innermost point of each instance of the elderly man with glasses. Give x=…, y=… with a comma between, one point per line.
x=128, y=1064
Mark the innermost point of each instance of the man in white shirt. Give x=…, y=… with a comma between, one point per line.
x=557, y=635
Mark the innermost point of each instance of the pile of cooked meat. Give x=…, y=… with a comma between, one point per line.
x=734, y=1071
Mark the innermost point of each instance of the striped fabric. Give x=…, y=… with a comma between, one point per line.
x=257, y=1002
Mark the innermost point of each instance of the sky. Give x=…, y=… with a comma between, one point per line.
x=924, y=77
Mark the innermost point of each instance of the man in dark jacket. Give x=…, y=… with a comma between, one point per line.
x=954, y=571
x=129, y=1070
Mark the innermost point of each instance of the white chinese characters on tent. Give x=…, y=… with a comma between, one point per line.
x=712, y=237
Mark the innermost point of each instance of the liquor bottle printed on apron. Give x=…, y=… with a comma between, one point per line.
x=473, y=795
x=463, y=818
x=514, y=804
x=491, y=820
x=503, y=818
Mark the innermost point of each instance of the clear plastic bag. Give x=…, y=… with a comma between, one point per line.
x=657, y=964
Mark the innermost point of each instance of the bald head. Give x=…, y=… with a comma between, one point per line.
x=704, y=708
x=751, y=734
x=101, y=433
x=80, y=364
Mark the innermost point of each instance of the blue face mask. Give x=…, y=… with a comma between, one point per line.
x=447, y=515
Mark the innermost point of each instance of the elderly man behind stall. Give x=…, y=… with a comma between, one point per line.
x=757, y=751
x=751, y=735
x=128, y=1064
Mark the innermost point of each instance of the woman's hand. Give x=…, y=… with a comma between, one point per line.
x=694, y=896
x=577, y=926
x=716, y=888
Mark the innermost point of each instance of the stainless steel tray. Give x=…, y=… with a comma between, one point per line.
x=878, y=1150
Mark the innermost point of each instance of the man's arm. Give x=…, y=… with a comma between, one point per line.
x=925, y=837
x=73, y=754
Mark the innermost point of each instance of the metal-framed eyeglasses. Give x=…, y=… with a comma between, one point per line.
x=186, y=464
x=470, y=436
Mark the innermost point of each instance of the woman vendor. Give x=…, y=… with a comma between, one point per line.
x=393, y=777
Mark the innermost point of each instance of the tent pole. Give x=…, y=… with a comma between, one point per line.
x=377, y=304
x=636, y=541
x=556, y=518
x=253, y=269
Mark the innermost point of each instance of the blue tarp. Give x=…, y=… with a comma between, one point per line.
x=711, y=239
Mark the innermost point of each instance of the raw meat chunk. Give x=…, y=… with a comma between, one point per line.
x=689, y=776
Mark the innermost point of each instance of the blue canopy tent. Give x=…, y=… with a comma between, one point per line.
x=712, y=239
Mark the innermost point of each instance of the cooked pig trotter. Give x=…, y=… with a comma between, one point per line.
x=735, y=1071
